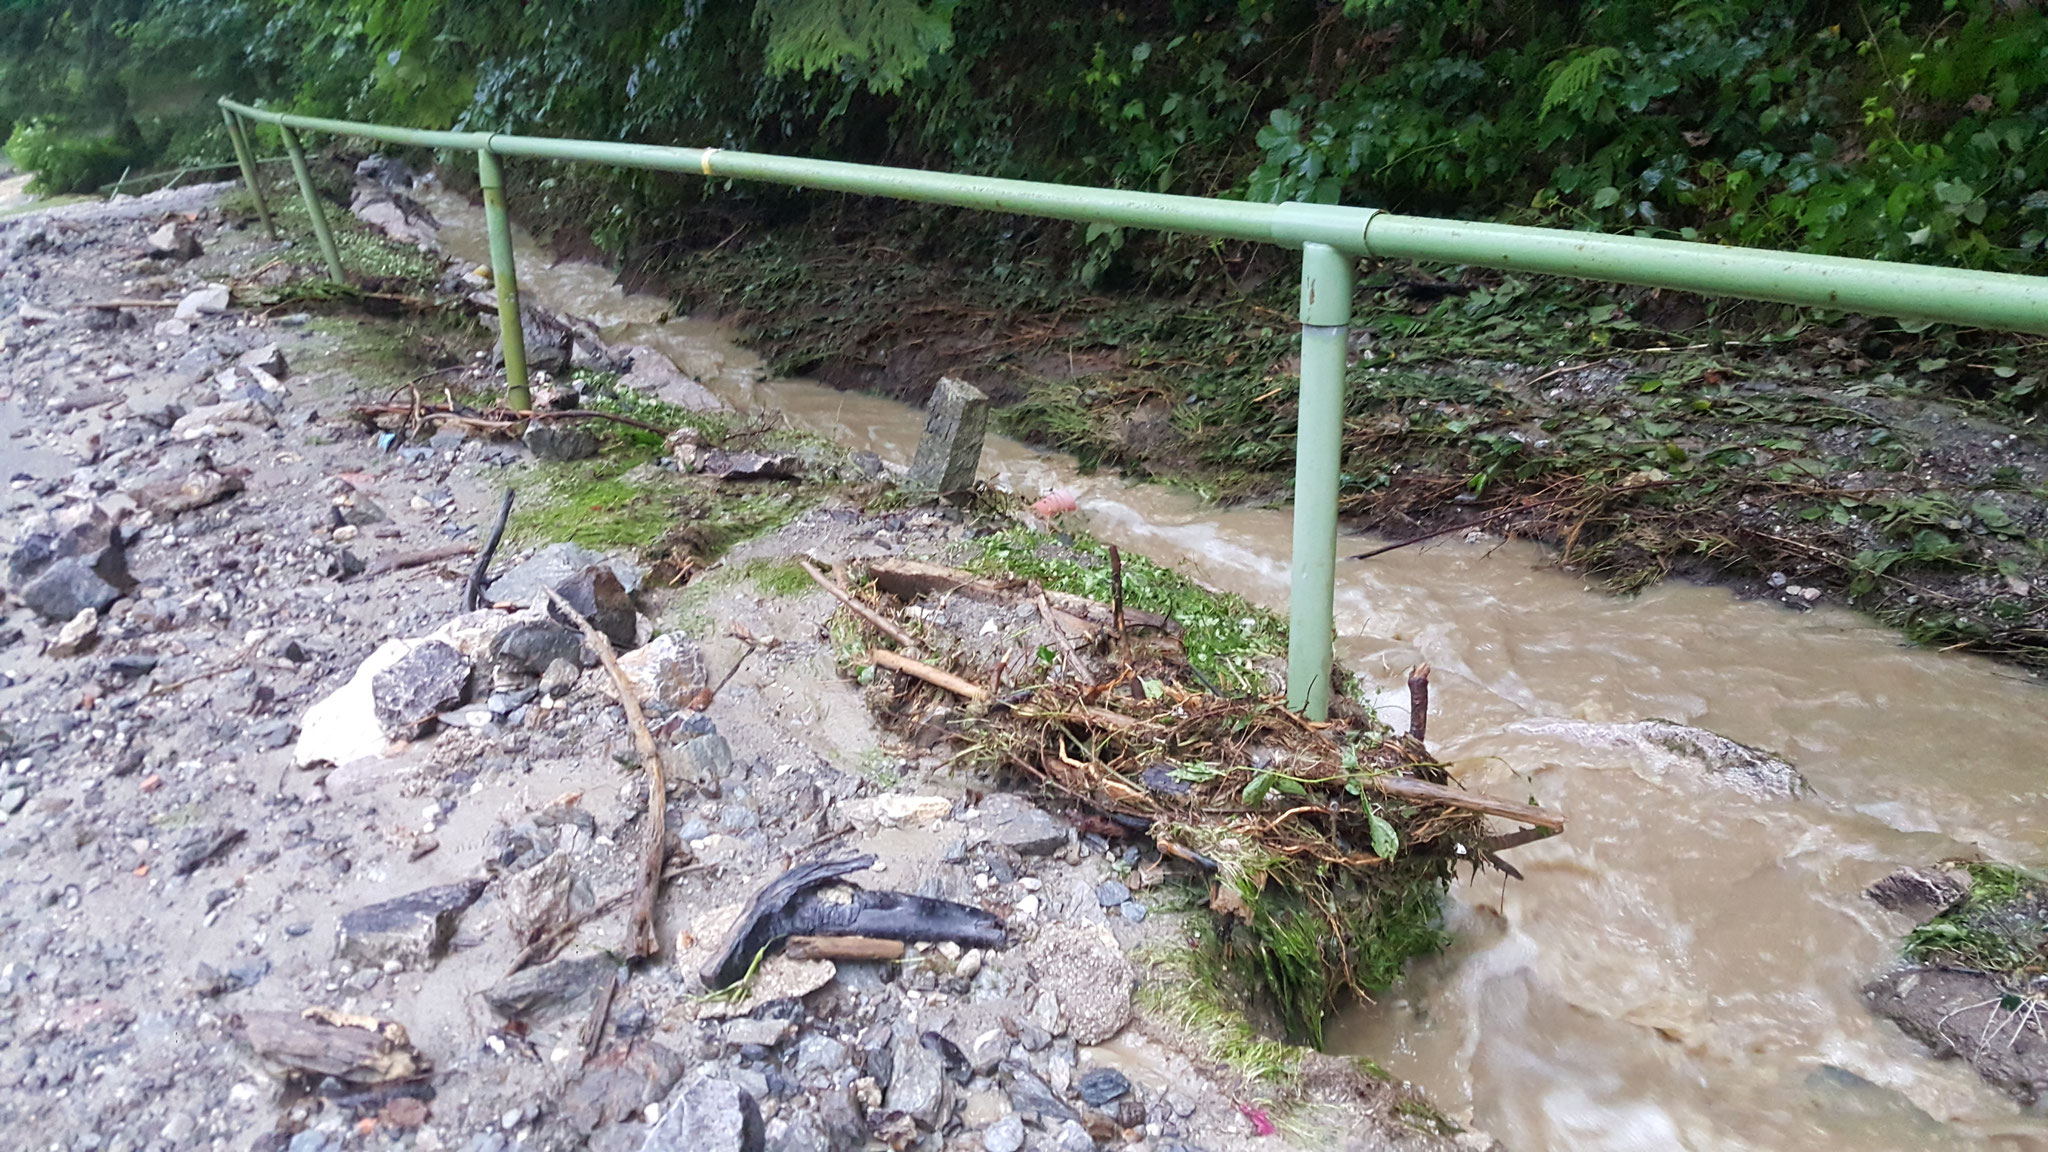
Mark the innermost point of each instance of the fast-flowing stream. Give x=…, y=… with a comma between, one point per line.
x=1680, y=969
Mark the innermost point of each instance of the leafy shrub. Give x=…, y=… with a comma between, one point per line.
x=64, y=160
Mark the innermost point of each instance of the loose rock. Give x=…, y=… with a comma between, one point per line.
x=411, y=693
x=708, y=1115
x=595, y=593
x=266, y=358
x=918, y=1087
x=1086, y=970
x=342, y=728
x=559, y=440
x=324, y=1042
x=78, y=635
x=552, y=565
x=562, y=986
x=531, y=646
x=174, y=241
x=656, y=375
x=1017, y=824
x=1920, y=893
x=411, y=931
x=668, y=670
x=207, y=301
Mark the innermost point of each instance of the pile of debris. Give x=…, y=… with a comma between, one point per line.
x=1326, y=845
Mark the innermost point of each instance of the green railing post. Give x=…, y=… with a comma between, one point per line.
x=247, y=159
x=511, y=333
x=1326, y=280
x=319, y=218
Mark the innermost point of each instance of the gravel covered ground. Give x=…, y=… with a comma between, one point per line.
x=199, y=542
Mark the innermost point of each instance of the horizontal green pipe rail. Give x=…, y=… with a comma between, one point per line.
x=1331, y=237
x=1996, y=300
x=187, y=170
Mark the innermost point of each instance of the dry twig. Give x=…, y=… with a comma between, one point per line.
x=641, y=940
x=939, y=677
x=857, y=608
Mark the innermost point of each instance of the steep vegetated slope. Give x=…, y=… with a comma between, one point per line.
x=1806, y=454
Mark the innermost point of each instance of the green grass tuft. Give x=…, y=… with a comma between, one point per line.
x=588, y=502
x=2000, y=929
x=779, y=576
x=1227, y=638
x=1188, y=985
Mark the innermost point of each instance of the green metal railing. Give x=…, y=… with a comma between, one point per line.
x=1331, y=239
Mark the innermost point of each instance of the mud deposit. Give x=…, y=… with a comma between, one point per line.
x=1683, y=968
x=183, y=876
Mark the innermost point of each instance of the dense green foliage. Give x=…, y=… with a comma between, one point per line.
x=1892, y=129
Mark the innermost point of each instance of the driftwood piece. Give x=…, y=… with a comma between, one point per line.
x=898, y=662
x=859, y=609
x=398, y=561
x=1056, y=621
x=842, y=948
x=322, y=1042
x=1418, y=703
x=1423, y=792
x=473, y=591
x=910, y=579
x=641, y=940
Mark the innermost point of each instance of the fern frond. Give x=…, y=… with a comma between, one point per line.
x=883, y=41
x=1574, y=76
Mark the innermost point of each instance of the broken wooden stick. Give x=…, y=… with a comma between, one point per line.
x=1116, y=585
x=708, y=695
x=641, y=940
x=842, y=948
x=938, y=677
x=398, y=561
x=1418, y=703
x=909, y=579
x=857, y=608
x=1059, y=635
x=473, y=592
x=1423, y=792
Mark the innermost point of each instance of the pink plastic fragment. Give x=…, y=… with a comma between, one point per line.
x=1262, y=1125
x=1055, y=502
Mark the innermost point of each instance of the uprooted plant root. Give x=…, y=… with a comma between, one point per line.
x=1327, y=846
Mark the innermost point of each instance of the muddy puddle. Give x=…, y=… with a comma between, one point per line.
x=1680, y=970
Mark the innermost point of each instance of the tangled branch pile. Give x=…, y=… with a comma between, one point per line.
x=1327, y=846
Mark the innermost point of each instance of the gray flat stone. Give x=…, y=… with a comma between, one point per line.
x=1021, y=826
x=427, y=681
x=531, y=645
x=560, y=440
x=551, y=988
x=1921, y=893
x=918, y=1085
x=412, y=930
x=66, y=588
x=708, y=1115
x=552, y=565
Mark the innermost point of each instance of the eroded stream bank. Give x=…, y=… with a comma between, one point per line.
x=1681, y=970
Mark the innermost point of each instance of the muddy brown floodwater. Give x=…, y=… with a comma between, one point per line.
x=1680, y=970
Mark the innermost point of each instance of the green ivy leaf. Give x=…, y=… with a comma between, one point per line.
x=1386, y=842
x=1255, y=792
